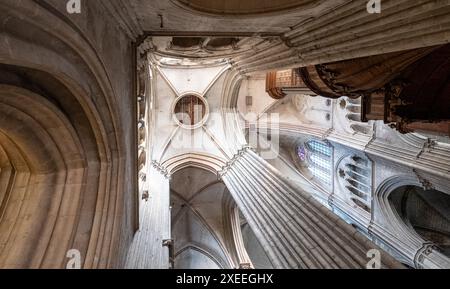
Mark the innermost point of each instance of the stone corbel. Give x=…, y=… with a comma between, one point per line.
x=167, y=242
x=145, y=195
x=143, y=176
x=142, y=156
x=146, y=46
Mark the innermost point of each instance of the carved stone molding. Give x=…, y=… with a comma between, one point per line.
x=229, y=164
x=161, y=169
x=208, y=48
x=287, y=221
x=426, y=184
x=125, y=16
x=422, y=253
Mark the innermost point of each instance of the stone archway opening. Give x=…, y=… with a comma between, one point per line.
x=427, y=212
x=196, y=220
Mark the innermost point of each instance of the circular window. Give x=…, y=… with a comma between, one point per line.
x=190, y=111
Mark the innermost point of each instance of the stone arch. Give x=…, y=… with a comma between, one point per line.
x=63, y=171
x=412, y=247
x=75, y=149
x=196, y=219
x=425, y=211
x=204, y=161
x=246, y=8
x=210, y=256
x=233, y=220
x=56, y=165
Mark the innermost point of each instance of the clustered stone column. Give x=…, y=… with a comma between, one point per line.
x=293, y=228
x=149, y=250
x=244, y=259
x=349, y=32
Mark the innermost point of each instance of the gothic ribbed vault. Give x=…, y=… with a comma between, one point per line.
x=224, y=134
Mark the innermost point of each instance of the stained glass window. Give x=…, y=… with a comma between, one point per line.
x=301, y=152
x=319, y=156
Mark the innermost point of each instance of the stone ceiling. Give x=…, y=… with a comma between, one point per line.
x=169, y=17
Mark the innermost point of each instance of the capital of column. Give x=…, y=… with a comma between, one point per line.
x=245, y=149
x=161, y=169
x=146, y=46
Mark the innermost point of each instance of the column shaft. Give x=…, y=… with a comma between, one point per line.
x=293, y=228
